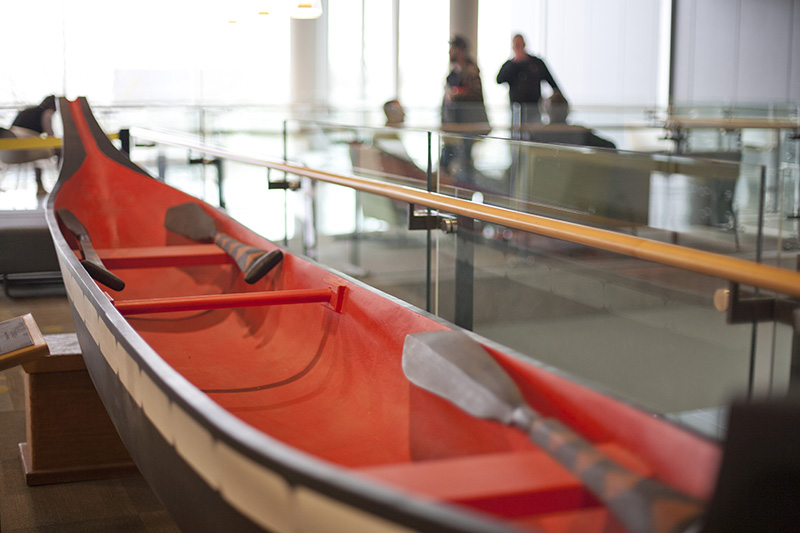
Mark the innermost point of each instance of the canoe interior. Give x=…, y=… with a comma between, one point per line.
x=331, y=384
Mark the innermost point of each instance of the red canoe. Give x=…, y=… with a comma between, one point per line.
x=283, y=404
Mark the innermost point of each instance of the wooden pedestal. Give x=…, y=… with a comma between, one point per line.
x=69, y=434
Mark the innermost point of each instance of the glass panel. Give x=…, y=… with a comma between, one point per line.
x=642, y=331
x=381, y=251
x=788, y=230
x=711, y=205
x=362, y=234
x=184, y=119
x=757, y=134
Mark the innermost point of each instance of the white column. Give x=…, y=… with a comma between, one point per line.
x=464, y=22
x=309, y=62
x=396, y=45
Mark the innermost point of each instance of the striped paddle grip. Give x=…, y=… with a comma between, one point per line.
x=253, y=262
x=641, y=503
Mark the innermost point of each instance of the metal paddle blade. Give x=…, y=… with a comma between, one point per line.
x=190, y=220
x=452, y=365
x=72, y=223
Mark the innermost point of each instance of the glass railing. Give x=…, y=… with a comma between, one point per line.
x=706, y=204
x=759, y=134
x=629, y=128
x=615, y=296
x=739, y=110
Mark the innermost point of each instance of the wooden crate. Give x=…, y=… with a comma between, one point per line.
x=70, y=436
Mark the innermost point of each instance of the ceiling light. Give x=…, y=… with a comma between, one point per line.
x=307, y=9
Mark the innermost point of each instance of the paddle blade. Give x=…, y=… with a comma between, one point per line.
x=190, y=220
x=72, y=223
x=451, y=365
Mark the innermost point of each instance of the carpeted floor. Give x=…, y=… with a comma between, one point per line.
x=123, y=504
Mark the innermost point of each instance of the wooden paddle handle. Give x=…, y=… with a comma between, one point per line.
x=253, y=262
x=101, y=274
x=641, y=503
x=91, y=261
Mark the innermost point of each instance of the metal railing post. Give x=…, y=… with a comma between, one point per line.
x=125, y=141
x=465, y=273
x=429, y=239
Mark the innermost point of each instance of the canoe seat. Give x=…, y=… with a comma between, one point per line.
x=518, y=485
x=164, y=256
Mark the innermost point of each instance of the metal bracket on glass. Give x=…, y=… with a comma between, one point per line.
x=750, y=308
x=282, y=184
x=747, y=308
x=216, y=162
x=673, y=134
x=424, y=218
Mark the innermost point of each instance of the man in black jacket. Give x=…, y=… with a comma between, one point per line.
x=524, y=74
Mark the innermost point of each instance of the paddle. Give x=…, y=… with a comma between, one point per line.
x=453, y=366
x=190, y=220
x=91, y=261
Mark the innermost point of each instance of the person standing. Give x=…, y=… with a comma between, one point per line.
x=524, y=74
x=463, y=109
x=33, y=122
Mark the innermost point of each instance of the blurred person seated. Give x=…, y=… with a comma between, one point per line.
x=614, y=194
x=388, y=140
x=395, y=114
x=386, y=155
x=557, y=130
x=386, y=158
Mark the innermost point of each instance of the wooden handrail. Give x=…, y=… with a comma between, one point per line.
x=732, y=123
x=732, y=269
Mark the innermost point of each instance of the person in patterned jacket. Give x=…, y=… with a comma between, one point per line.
x=463, y=111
